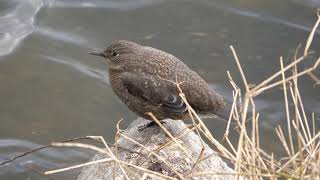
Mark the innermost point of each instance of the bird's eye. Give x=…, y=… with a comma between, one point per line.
x=114, y=54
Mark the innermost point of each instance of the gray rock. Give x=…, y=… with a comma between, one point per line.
x=153, y=138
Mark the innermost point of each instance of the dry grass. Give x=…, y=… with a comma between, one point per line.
x=301, y=144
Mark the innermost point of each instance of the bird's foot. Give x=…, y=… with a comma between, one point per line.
x=149, y=124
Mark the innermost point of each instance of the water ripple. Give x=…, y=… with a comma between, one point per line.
x=98, y=74
x=115, y=4
x=46, y=159
x=17, y=23
x=267, y=17
x=62, y=36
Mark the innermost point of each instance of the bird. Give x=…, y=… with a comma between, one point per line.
x=149, y=80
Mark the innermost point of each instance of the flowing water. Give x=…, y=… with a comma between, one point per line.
x=51, y=89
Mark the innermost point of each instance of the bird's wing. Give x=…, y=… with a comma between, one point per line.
x=154, y=90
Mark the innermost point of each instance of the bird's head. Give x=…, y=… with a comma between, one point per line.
x=116, y=50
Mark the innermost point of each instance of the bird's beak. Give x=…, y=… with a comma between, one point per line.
x=98, y=53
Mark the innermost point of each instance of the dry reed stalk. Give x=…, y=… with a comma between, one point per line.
x=315, y=78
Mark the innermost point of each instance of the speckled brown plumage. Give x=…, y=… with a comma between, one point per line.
x=143, y=77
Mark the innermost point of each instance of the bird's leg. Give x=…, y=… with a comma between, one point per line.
x=149, y=124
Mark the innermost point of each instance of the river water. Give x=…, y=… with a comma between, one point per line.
x=51, y=89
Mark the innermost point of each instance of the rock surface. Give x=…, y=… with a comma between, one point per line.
x=177, y=162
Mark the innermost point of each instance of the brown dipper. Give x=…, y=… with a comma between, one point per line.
x=144, y=79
